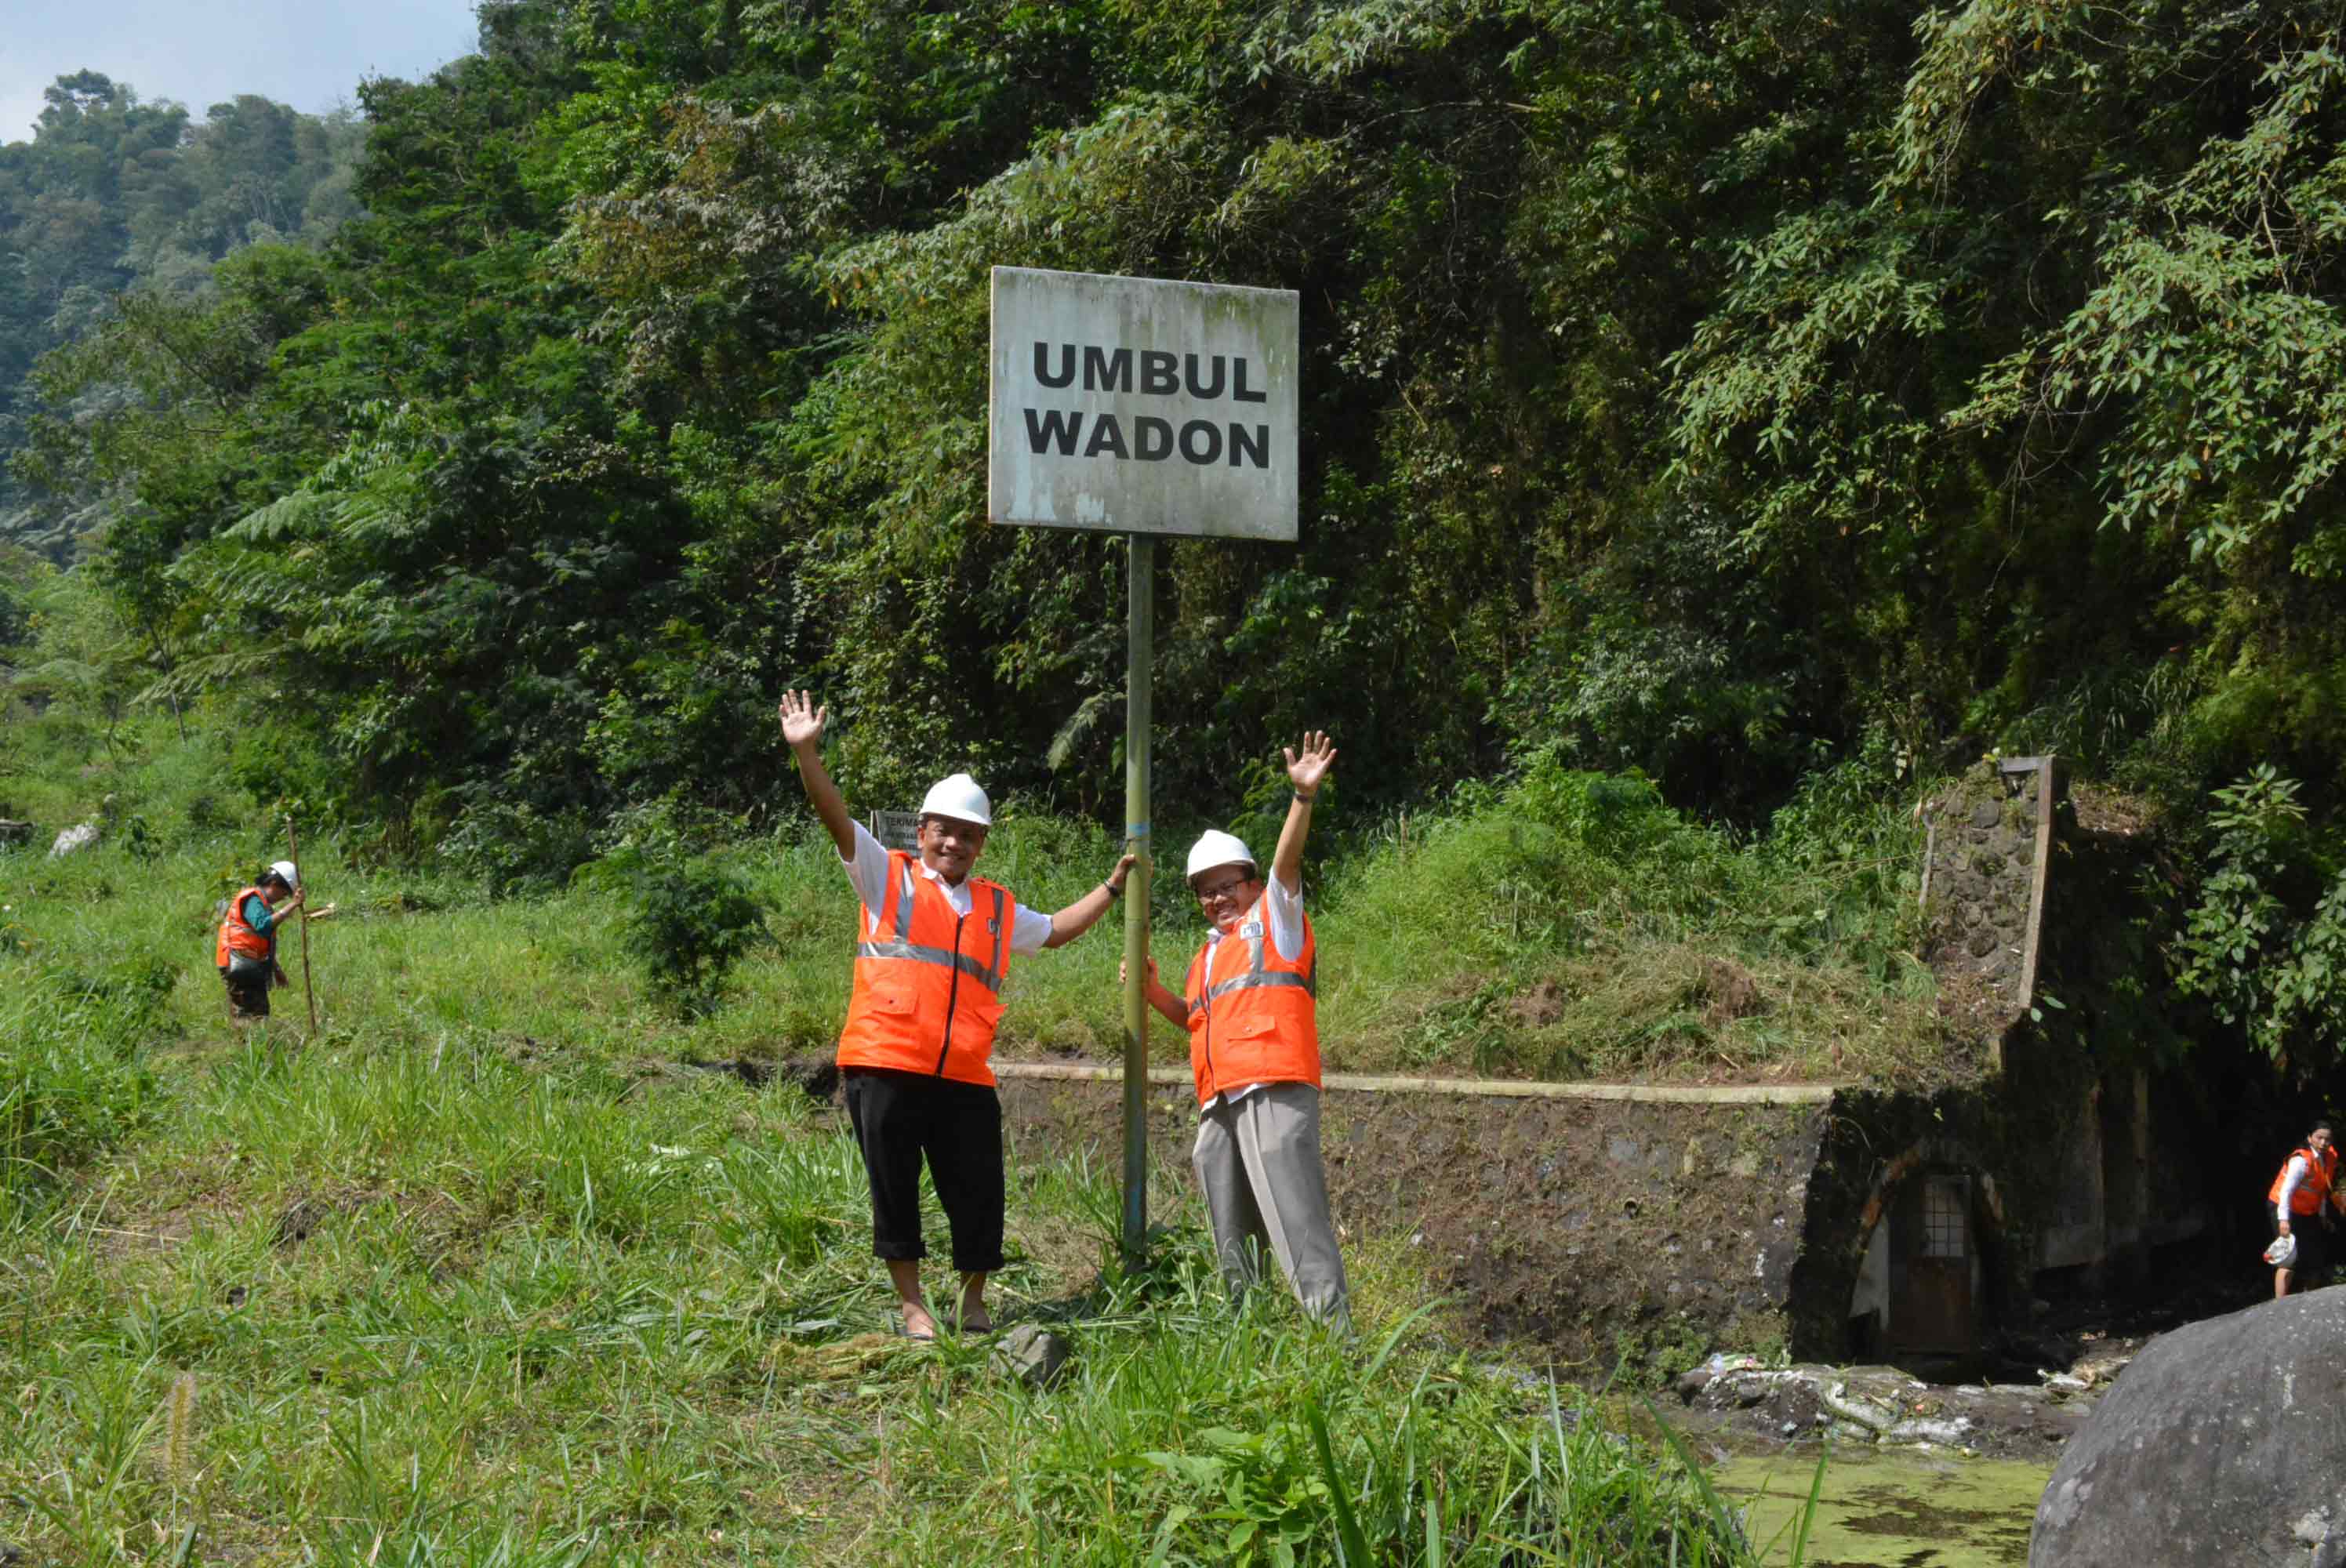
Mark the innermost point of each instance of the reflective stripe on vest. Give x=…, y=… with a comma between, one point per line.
x=923, y=1000
x=236, y=935
x=1253, y=1016
x=901, y=944
x=2321, y=1174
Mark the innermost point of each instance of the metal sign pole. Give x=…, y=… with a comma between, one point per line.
x=1142, y=406
x=1140, y=637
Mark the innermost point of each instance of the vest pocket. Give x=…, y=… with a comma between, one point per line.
x=895, y=998
x=980, y=1009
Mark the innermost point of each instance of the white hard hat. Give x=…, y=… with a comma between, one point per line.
x=958, y=796
x=2282, y=1252
x=285, y=868
x=1215, y=848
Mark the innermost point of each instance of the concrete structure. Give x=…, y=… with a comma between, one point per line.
x=1937, y=1219
x=1835, y=1222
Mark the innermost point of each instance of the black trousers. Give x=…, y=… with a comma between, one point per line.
x=902, y=1117
x=246, y=1001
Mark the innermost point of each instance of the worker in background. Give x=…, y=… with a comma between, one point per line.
x=933, y=952
x=2306, y=1188
x=246, y=952
x=1254, y=1050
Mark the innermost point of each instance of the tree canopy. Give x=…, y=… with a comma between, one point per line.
x=117, y=196
x=1722, y=389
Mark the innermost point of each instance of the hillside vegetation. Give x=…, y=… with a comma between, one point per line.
x=483, y=1271
x=1721, y=419
x=1727, y=394
x=116, y=205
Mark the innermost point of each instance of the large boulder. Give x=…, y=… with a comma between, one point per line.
x=2224, y=1444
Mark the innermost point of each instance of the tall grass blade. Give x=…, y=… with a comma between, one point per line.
x=1352, y=1545
x=1722, y=1515
x=1393, y=1337
x=1809, y=1510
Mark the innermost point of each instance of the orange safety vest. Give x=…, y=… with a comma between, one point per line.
x=2321, y=1171
x=236, y=935
x=928, y=982
x=1253, y=1015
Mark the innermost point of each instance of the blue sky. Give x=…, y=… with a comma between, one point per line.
x=311, y=54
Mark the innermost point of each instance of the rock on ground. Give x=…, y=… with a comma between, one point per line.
x=2224, y=1442
x=1033, y=1355
x=72, y=838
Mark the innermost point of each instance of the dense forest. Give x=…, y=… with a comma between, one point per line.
x=1724, y=390
x=115, y=202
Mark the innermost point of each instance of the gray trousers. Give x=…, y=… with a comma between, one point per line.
x=1257, y=1162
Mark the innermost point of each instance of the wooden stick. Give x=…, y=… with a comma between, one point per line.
x=308, y=995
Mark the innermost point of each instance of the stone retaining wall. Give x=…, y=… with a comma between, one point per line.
x=1986, y=858
x=1650, y=1223
x=1606, y=1229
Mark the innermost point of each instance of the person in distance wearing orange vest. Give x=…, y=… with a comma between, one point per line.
x=933, y=952
x=246, y=951
x=2308, y=1183
x=1254, y=1050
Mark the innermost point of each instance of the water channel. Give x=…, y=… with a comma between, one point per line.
x=1899, y=1508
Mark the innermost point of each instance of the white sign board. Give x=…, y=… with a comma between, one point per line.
x=1136, y=406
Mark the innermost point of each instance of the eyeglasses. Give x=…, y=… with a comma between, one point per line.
x=947, y=828
x=1228, y=888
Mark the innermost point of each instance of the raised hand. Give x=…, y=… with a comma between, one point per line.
x=802, y=721
x=1306, y=771
x=802, y=729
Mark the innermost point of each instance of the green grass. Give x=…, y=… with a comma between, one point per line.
x=476, y=1275
x=1573, y=927
x=356, y=1304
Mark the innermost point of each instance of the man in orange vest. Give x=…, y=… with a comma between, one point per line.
x=932, y=954
x=2306, y=1182
x=246, y=949
x=1254, y=1050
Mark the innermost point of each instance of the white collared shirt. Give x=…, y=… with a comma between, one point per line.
x=1029, y=930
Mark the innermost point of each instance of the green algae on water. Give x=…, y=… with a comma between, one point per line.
x=1891, y=1510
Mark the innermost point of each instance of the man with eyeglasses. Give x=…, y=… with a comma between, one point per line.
x=933, y=952
x=1254, y=1050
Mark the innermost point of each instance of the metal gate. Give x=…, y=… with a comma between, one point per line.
x=1934, y=1262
